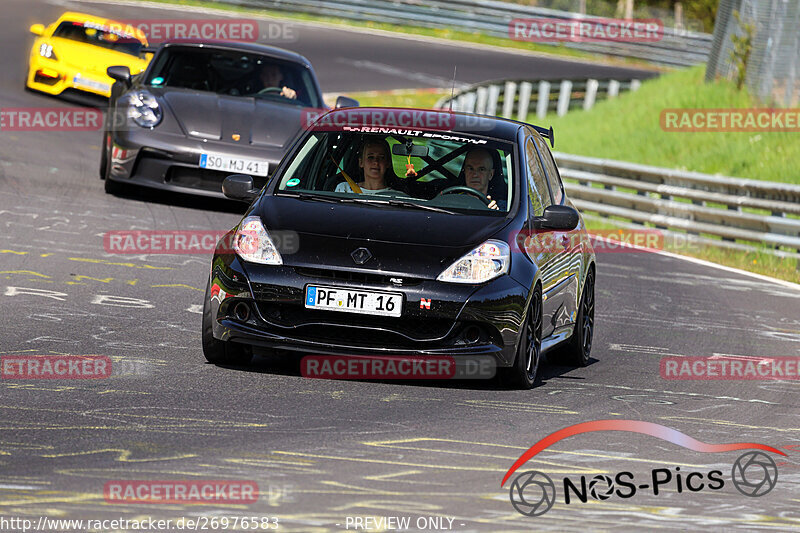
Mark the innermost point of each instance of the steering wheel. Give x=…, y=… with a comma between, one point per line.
x=463, y=189
x=266, y=90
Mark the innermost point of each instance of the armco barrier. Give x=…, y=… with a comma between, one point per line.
x=717, y=210
x=517, y=98
x=676, y=48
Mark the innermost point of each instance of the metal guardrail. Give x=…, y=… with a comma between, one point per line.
x=506, y=96
x=701, y=205
x=676, y=48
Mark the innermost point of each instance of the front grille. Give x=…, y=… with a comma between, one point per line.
x=361, y=277
x=201, y=178
x=321, y=324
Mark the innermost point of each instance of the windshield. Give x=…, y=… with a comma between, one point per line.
x=99, y=35
x=455, y=172
x=234, y=73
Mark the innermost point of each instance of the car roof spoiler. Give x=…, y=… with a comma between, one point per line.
x=547, y=134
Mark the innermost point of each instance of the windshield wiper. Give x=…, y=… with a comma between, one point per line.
x=394, y=202
x=319, y=197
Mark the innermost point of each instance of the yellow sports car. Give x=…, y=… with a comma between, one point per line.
x=74, y=52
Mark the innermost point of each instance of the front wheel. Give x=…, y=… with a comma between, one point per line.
x=525, y=372
x=216, y=351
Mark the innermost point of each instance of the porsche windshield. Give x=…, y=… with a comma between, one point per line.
x=234, y=73
x=453, y=172
x=99, y=35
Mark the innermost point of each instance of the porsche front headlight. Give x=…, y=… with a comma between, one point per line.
x=46, y=50
x=143, y=109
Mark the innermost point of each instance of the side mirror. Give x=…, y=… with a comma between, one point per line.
x=558, y=218
x=239, y=187
x=120, y=73
x=344, y=101
x=37, y=29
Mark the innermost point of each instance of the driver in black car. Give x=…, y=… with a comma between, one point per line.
x=272, y=79
x=478, y=172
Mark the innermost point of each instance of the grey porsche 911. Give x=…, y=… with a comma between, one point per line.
x=204, y=110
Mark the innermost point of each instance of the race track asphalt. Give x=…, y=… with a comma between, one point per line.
x=326, y=452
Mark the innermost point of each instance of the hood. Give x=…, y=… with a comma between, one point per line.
x=90, y=59
x=402, y=241
x=257, y=122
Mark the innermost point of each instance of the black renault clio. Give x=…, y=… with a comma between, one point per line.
x=397, y=232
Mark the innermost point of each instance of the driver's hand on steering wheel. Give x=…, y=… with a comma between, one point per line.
x=288, y=93
x=492, y=204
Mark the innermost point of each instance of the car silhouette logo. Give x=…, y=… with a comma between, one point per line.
x=361, y=255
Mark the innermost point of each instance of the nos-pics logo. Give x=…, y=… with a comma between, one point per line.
x=533, y=493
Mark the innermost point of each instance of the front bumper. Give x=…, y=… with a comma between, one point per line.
x=54, y=77
x=463, y=320
x=171, y=161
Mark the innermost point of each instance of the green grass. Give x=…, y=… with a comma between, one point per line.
x=758, y=262
x=442, y=33
x=628, y=129
x=409, y=98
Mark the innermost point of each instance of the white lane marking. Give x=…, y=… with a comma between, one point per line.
x=788, y=284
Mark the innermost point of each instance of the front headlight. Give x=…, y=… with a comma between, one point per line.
x=487, y=261
x=46, y=50
x=252, y=243
x=143, y=108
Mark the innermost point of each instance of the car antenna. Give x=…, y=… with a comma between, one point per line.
x=453, y=89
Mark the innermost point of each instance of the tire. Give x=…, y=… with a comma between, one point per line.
x=104, y=158
x=577, y=350
x=216, y=351
x=113, y=187
x=525, y=372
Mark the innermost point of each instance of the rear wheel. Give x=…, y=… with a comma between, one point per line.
x=577, y=350
x=525, y=372
x=217, y=351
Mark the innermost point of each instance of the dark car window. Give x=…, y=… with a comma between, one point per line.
x=325, y=161
x=552, y=171
x=537, y=184
x=233, y=73
x=99, y=35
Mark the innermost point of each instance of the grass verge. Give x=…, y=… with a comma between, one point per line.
x=628, y=129
x=758, y=262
